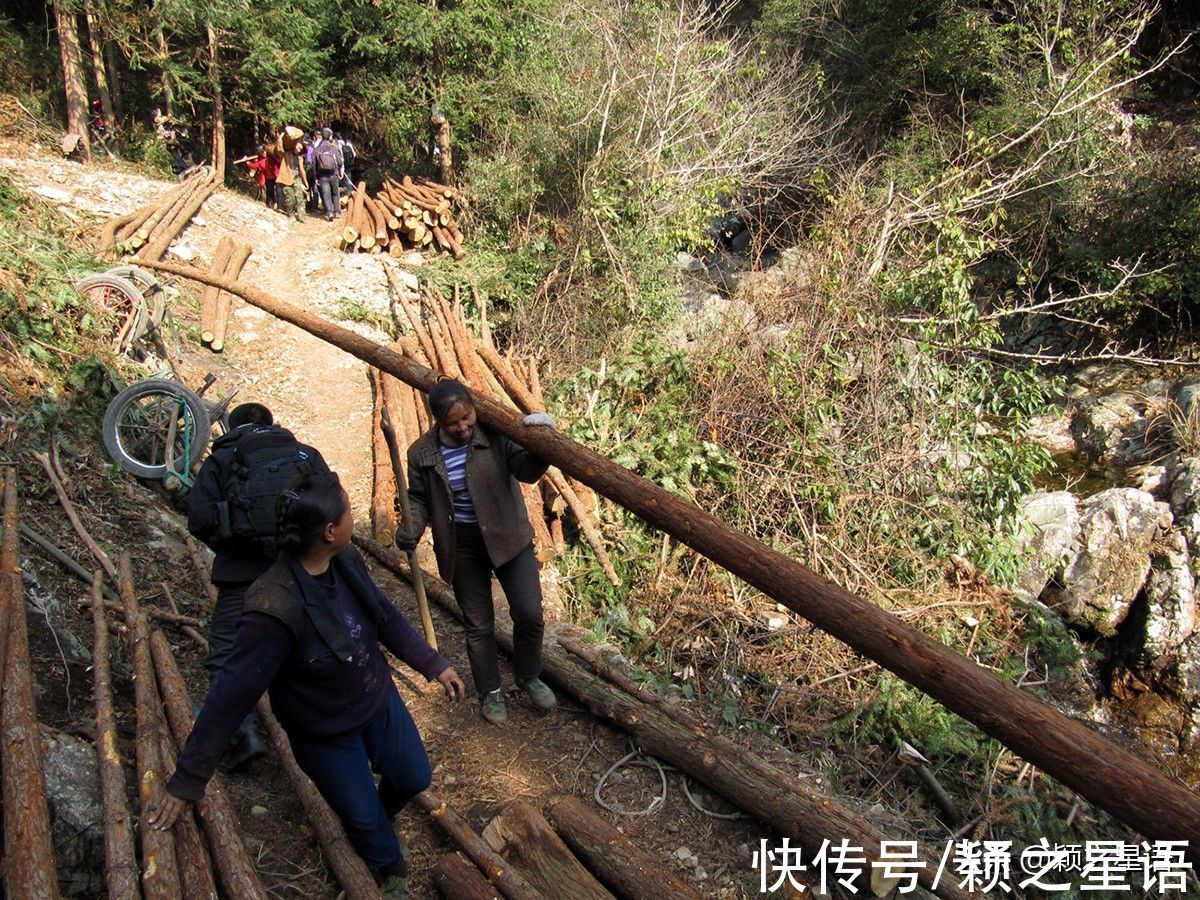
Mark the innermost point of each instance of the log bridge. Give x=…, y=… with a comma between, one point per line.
x=1124, y=784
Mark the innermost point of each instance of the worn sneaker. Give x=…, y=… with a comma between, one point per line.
x=395, y=887
x=492, y=708
x=541, y=695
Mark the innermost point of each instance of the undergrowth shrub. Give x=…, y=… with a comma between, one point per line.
x=51, y=339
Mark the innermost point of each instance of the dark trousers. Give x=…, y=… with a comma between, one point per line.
x=341, y=769
x=473, y=591
x=223, y=626
x=269, y=193
x=327, y=187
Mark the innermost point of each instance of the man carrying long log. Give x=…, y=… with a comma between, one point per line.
x=290, y=178
x=231, y=507
x=463, y=482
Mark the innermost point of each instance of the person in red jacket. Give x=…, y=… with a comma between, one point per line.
x=265, y=169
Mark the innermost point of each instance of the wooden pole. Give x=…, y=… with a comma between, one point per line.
x=157, y=246
x=120, y=862
x=1121, y=782
x=348, y=867
x=160, y=871
x=401, y=486
x=621, y=864
x=385, y=480
x=414, y=316
x=523, y=836
x=225, y=300
x=195, y=868
x=494, y=866
x=458, y=879
x=10, y=563
x=208, y=300
x=29, y=868
x=234, y=866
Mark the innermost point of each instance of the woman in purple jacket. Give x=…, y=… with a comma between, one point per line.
x=310, y=635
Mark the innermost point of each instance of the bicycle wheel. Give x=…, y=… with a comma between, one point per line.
x=138, y=426
x=121, y=298
x=153, y=289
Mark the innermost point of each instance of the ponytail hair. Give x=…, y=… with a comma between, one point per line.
x=303, y=510
x=445, y=394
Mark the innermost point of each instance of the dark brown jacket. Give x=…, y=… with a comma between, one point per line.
x=494, y=465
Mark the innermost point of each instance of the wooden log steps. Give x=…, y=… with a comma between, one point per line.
x=29, y=868
x=409, y=214
x=766, y=792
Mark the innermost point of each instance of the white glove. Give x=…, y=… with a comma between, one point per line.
x=540, y=418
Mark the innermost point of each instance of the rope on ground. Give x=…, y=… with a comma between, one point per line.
x=736, y=814
x=633, y=758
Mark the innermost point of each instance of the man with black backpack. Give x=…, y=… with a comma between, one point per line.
x=327, y=163
x=231, y=507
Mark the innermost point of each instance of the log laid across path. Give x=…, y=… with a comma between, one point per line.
x=773, y=796
x=1105, y=773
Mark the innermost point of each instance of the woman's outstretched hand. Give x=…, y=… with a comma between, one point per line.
x=452, y=684
x=163, y=816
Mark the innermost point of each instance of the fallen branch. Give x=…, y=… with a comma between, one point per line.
x=63, y=560
x=73, y=517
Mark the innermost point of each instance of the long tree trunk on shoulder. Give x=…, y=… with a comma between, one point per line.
x=95, y=42
x=218, y=132
x=73, y=80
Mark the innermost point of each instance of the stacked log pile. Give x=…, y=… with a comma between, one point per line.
x=443, y=341
x=147, y=232
x=404, y=215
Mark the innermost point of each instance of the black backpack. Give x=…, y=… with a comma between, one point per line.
x=265, y=463
x=348, y=154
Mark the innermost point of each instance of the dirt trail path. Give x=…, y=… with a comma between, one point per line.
x=324, y=396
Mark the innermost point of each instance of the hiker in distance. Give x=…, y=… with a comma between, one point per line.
x=311, y=635
x=231, y=507
x=463, y=483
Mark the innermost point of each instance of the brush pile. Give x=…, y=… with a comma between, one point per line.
x=404, y=215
